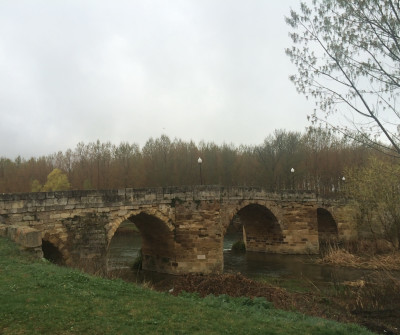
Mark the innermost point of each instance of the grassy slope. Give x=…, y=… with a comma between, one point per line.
x=37, y=297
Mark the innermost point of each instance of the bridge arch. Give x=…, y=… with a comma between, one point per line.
x=262, y=230
x=157, y=235
x=327, y=227
x=52, y=253
x=54, y=250
x=114, y=225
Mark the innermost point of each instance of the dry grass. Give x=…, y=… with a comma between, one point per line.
x=380, y=292
x=375, y=299
x=340, y=257
x=368, y=247
x=363, y=255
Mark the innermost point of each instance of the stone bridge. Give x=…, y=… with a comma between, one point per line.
x=182, y=228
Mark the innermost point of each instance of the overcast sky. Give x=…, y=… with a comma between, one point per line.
x=77, y=71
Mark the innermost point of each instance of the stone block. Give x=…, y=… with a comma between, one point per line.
x=25, y=236
x=12, y=232
x=29, y=238
x=17, y=205
x=65, y=215
x=3, y=230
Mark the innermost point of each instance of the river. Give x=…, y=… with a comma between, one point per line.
x=125, y=246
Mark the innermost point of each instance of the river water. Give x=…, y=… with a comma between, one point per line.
x=125, y=246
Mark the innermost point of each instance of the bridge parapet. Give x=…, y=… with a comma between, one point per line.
x=45, y=201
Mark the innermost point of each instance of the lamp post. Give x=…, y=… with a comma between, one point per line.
x=292, y=172
x=200, y=161
x=343, y=180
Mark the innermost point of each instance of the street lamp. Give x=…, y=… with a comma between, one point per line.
x=292, y=172
x=343, y=180
x=200, y=161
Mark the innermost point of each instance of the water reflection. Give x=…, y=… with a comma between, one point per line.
x=260, y=264
x=257, y=264
x=123, y=250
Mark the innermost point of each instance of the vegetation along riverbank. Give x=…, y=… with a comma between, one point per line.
x=38, y=297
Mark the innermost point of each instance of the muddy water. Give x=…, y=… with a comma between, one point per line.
x=124, y=249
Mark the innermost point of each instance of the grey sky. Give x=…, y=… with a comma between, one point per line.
x=212, y=70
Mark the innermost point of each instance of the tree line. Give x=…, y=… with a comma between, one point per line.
x=317, y=158
x=321, y=161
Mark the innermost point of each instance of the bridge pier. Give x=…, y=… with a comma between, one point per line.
x=184, y=238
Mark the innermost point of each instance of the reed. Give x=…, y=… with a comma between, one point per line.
x=378, y=257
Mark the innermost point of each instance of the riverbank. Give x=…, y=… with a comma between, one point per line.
x=374, y=304
x=37, y=297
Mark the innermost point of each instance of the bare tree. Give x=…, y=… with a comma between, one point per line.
x=347, y=54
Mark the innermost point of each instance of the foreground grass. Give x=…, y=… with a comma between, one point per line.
x=37, y=297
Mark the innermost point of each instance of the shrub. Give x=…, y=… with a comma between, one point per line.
x=238, y=246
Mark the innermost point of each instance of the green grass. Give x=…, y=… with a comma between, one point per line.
x=37, y=297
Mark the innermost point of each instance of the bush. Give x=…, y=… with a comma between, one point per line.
x=239, y=246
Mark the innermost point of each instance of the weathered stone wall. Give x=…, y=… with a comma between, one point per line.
x=27, y=237
x=182, y=228
x=200, y=237
x=295, y=213
x=344, y=214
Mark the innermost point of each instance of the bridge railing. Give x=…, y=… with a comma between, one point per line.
x=15, y=202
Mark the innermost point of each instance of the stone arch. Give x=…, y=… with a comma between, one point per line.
x=262, y=230
x=52, y=253
x=233, y=212
x=54, y=250
x=327, y=227
x=114, y=225
x=157, y=234
x=124, y=249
